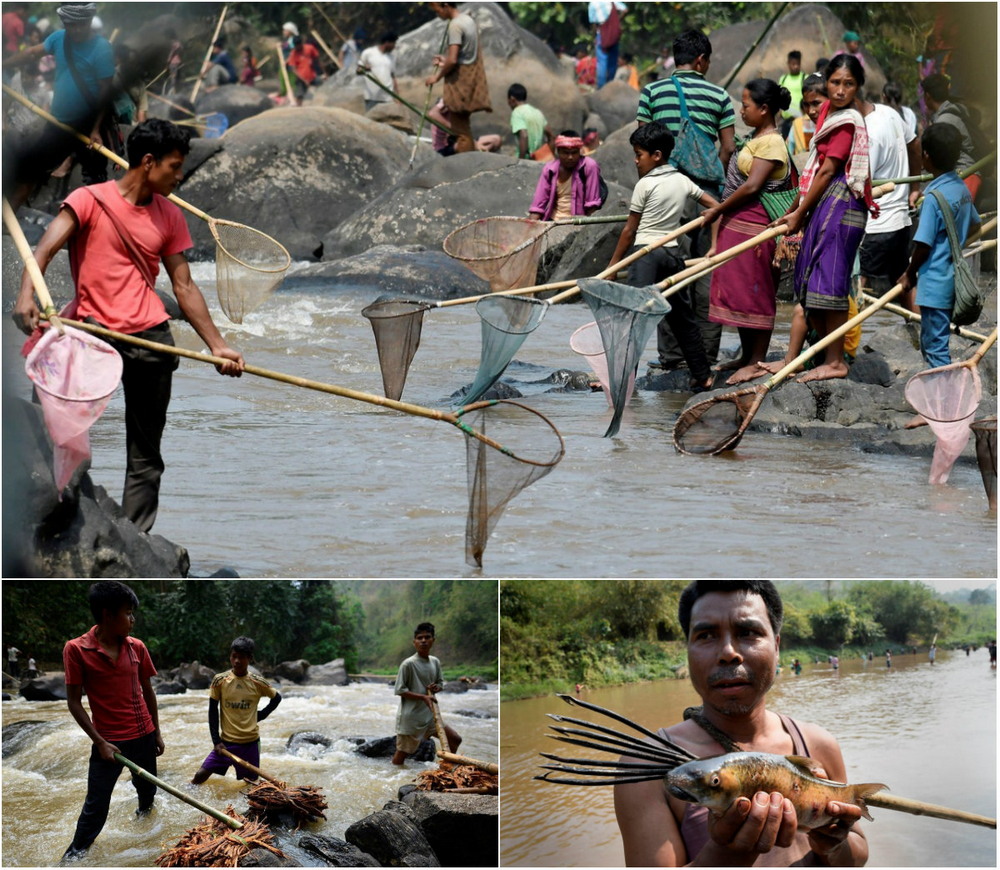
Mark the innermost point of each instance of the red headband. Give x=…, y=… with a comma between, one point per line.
x=568, y=142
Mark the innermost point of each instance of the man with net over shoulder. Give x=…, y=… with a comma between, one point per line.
x=118, y=233
x=733, y=638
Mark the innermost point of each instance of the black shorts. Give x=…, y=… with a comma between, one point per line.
x=884, y=257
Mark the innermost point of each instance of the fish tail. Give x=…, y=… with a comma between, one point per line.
x=864, y=790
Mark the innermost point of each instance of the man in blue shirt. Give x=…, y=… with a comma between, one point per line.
x=85, y=66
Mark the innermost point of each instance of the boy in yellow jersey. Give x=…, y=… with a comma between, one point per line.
x=236, y=694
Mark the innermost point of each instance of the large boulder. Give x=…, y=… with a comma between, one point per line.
x=385, y=747
x=393, y=837
x=51, y=687
x=195, y=675
x=330, y=674
x=292, y=670
x=236, y=102
x=295, y=173
x=617, y=159
x=461, y=828
x=616, y=104
x=335, y=852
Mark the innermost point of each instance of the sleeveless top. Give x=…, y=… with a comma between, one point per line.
x=694, y=826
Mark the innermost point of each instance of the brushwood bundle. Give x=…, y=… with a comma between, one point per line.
x=305, y=802
x=459, y=777
x=214, y=844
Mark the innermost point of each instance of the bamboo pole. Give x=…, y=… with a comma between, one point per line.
x=913, y=316
x=330, y=22
x=753, y=47
x=208, y=54
x=442, y=735
x=250, y=767
x=174, y=105
x=326, y=48
x=427, y=104
x=31, y=264
x=919, y=808
x=284, y=75
x=965, y=173
x=487, y=766
x=406, y=102
x=176, y=792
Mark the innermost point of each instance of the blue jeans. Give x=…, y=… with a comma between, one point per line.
x=607, y=63
x=935, y=334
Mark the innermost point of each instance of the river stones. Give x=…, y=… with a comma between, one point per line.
x=236, y=102
x=51, y=687
x=295, y=173
x=169, y=687
x=194, y=675
x=440, y=816
x=335, y=852
x=384, y=747
x=393, y=837
x=330, y=674
x=616, y=104
x=19, y=735
x=292, y=670
x=310, y=740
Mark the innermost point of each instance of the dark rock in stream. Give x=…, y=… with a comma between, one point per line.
x=393, y=837
x=266, y=858
x=170, y=687
x=330, y=674
x=440, y=816
x=307, y=739
x=51, y=687
x=384, y=747
x=23, y=734
x=336, y=853
x=194, y=675
x=292, y=670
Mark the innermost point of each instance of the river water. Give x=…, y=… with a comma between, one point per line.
x=927, y=731
x=277, y=481
x=44, y=779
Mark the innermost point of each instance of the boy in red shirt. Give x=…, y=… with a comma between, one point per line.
x=114, y=670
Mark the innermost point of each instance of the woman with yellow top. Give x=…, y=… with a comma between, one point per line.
x=744, y=290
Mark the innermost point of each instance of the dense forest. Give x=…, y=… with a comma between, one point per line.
x=369, y=623
x=554, y=633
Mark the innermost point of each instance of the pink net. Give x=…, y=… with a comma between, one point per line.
x=74, y=375
x=586, y=341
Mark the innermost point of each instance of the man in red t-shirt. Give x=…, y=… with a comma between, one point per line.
x=118, y=233
x=114, y=670
x=302, y=61
x=13, y=27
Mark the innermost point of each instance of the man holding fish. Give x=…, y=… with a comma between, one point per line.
x=733, y=635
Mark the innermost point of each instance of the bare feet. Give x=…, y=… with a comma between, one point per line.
x=916, y=422
x=746, y=373
x=825, y=372
x=729, y=365
x=773, y=367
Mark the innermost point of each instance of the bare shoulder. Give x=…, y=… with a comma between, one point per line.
x=823, y=747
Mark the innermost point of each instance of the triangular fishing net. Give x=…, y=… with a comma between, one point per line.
x=74, y=375
x=396, y=324
x=524, y=452
x=502, y=250
x=586, y=341
x=625, y=316
x=986, y=455
x=249, y=265
x=717, y=423
x=506, y=322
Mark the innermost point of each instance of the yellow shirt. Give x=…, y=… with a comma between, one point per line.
x=768, y=147
x=238, y=698
x=564, y=199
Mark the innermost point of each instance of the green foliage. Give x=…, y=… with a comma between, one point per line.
x=834, y=624
x=795, y=626
x=905, y=609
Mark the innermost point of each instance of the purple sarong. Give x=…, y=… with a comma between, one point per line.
x=217, y=763
x=829, y=244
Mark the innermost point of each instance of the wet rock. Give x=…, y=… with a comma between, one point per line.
x=441, y=816
x=51, y=687
x=384, y=747
x=267, y=858
x=336, y=853
x=616, y=103
x=307, y=739
x=455, y=687
x=170, y=687
x=84, y=535
x=395, y=115
x=293, y=670
x=617, y=161
x=330, y=674
x=5, y=697
x=475, y=714
x=23, y=734
x=393, y=838
x=500, y=390
x=195, y=675
x=236, y=102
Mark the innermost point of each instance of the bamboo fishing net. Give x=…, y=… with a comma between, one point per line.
x=497, y=474
x=396, y=324
x=586, y=341
x=215, y=844
x=717, y=423
x=506, y=323
x=986, y=455
x=502, y=250
x=249, y=265
x=625, y=316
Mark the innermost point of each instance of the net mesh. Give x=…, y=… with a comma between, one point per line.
x=396, y=324
x=586, y=341
x=74, y=375
x=945, y=394
x=497, y=476
x=625, y=316
x=717, y=423
x=249, y=265
x=986, y=455
x=506, y=322
x=502, y=250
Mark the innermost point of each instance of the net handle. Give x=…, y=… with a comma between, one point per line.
x=991, y=339
x=208, y=52
x=31, y=264
x=906, y=314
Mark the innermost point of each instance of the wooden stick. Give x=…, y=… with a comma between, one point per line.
x=911, y=315
x=330, y=22
x=176, y=792
x=442, y=735
x=174, y=105
x=919, y=808
x=326, y=48
x=488, y=766
x=208, y=54
x=31, y=264
x=427, y=103
x=250, y=767
x=404, y=101
x=284, y=76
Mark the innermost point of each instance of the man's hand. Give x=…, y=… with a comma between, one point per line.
x=433, y=688
x=107, y=750
x=26, y=314
x=220, y=746
x=755, y=826
x=824, y=840
x=159, y=744
x=429, y=701
x=234, y=368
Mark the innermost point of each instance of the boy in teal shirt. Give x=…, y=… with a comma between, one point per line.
x=531, y=130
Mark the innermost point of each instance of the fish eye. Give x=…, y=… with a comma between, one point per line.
x=715, y=779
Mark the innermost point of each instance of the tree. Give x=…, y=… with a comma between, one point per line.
x=902, y=607
x=834, y=625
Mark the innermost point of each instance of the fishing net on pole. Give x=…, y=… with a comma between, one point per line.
x=715, y=424
x=625, y=316
x=396, y=324
x=501, y=250
x=986, y=455
x=497, y=473
x=74, y=376
x=249, y=265
x=506, y=323
x=586, y=341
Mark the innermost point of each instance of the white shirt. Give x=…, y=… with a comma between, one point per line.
x=383, y=67
x=887, y=141
x=660, y=197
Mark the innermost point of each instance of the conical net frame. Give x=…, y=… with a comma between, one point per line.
x=986, y=455
x=396, y=324
x=501, y=250
x=530, y=451
x=249, y=266
x=717, y=423
x=586, y=341
x=945, y=394
x=626, y=317
x=506, y=323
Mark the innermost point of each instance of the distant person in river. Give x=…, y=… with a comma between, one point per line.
x=114, y=670
x=233, y=717
x=991, y=648
x=932, y=654
x=418, y=680
x=733, y=632
x=570, y=185
x=378, y=62
x=13, y=666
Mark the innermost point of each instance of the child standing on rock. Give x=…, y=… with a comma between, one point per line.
x=418, y=680
x=236, y=693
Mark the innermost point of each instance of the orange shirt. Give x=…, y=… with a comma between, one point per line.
x=301, y=61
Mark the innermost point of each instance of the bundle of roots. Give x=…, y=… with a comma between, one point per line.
x=304, y=802
x=215, y=844
x=463, y=778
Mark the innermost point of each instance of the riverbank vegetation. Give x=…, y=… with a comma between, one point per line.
x=556, y=633
x=368, y=623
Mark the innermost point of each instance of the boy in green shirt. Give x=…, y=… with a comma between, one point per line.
x=418, y=680
x=237, y=692
x=531, y=130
